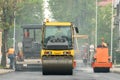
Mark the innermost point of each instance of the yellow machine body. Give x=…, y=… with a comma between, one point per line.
x=57, y=52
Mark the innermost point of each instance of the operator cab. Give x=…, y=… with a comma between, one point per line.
x=31, y=40
x=57, y=37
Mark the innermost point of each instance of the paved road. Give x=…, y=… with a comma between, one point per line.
x=80, y=73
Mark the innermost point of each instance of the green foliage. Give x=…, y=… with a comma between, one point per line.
x=1, y=66
x=117, y=55
x=104, y=23
x=25, y=11
x=30, y=12
x=82, y=13
x=7, y=8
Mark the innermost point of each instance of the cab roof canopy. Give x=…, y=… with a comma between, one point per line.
x=31, y=26
x=58, y=23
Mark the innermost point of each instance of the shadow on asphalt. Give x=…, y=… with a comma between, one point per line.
x=29, y=70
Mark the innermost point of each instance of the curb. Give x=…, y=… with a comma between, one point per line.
x=115, y=70
x=4, y=71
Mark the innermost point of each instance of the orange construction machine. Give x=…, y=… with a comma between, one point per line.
x=101, y=60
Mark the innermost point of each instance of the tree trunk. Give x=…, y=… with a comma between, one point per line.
x=4, y=47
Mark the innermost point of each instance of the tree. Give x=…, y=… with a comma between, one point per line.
x=80, y=12
x=30, y=12
x=26, y=12
x=7, y=17
x=104, y=23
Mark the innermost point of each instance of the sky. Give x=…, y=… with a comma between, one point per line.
x=47, y=11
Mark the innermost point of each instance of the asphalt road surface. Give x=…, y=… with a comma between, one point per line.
x=81, y=72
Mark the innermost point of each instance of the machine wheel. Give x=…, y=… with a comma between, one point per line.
x=45, y=72
x=95, y=70
x=107, y=70
x=57, y=66
x=17, y=67
x=101, y=70
x=70, y=72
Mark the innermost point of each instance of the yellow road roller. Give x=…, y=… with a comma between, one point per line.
x=57, y=52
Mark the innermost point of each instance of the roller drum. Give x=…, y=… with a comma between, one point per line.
x=57, y=65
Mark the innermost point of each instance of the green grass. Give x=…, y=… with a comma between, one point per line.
x=1, y=66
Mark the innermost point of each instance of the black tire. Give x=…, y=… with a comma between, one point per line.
x=107, y=70
x=44, y=72
x=47, y=71
x=70, y=72
x=17, y=68
x=95, y=70
x=101, y=69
